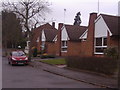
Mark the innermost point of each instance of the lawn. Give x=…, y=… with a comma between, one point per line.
x=54, y=61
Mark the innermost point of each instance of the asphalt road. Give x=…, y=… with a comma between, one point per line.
x=30, y=77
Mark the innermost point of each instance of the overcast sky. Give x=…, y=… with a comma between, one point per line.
x=84, y=6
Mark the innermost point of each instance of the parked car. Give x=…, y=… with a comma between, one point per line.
x=17, y=57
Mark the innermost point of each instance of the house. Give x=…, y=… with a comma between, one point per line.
x=70, y=42
x=47, y=41
x=37, y=33
x=103, y=32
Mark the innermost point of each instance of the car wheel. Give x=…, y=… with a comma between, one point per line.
x=11, y=63
x=8, y=62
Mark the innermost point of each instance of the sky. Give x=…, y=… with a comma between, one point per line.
x=58, y=15
x=86, y=7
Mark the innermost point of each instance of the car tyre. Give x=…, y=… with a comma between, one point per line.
x=11, y=64
x=8, y=62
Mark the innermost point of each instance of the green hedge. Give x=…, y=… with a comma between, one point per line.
x=96, y=64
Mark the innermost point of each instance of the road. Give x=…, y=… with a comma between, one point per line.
x=30, y=77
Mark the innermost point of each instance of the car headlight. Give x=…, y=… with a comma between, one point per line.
x=26, y=58
x=13, y=58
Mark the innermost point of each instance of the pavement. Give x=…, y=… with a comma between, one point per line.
x=87, y=77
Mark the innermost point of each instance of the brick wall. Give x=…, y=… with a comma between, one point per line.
x=39, y=46
x=83, y=48
x=51, y=48
x=64, y=54
x=74, y=48
x=58, y=42
x=89, y=51
x=113, y=41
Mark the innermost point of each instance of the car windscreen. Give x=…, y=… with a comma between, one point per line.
x=20, y=53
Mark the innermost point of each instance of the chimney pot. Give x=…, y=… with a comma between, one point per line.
x=53, y=24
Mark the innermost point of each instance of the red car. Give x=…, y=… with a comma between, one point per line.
x=17, y=57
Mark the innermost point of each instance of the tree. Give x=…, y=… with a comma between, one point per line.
x=11, y=30
x=28, y=11
x=77, y=19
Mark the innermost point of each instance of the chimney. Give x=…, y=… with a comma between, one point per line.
x=58, y=43
x=90, y=36
x=53, y=24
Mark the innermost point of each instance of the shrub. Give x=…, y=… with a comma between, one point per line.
x=111, y=52
x=97, y=64
x=39, y=52
x=47, y=56
x=35, y=52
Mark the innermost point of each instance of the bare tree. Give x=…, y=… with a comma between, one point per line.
x=30, y=12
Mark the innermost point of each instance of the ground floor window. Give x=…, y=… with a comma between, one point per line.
x=43, y=45
x=100, y=45
x=64, y=46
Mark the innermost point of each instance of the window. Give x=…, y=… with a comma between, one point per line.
x=84, y=39
x=64, y=46
x=43, y=45
x=98, y=41
x=100, y=45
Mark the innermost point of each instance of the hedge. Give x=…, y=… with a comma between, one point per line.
x=96, y=64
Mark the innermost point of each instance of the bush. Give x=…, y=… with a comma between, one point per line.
x=47, y=56
x=35, y=52
x=111, y=52
x=97, y=64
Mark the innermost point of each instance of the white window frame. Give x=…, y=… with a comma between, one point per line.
x=64, y=46
x=102, y=46
x=84, y=39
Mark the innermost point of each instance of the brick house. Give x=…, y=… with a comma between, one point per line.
x=101, y=33
x=70, y=42
x=47, y=41
x=36, y=39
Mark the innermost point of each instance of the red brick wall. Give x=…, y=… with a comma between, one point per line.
x=51, y=48
x=89, y=50
x=83, y=48
x=112, y=41
x=39, y=45
x=58, y=42
x=74, y=48
x=64, y=54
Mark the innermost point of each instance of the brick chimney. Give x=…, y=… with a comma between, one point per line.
x=58, y=43
x=53, y=24
x=90, y=35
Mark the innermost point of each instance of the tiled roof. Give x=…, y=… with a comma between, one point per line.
x=75, y=31
x=50, y=34
x=112, y=23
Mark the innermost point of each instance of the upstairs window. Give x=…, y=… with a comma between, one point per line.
x=100, y=45
x=64, y=46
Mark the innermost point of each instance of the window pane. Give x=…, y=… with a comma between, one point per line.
x=66, y=43
x=63, y=43
x=64, y=49
x=105, y=42
x=98, y=41
x=100, y=50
